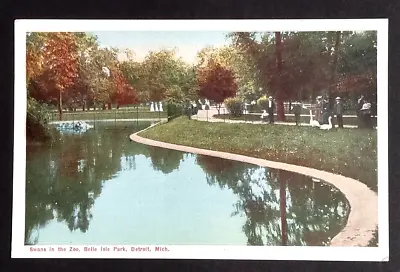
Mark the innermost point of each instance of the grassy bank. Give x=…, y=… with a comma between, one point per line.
x=349, y=152
x=290, y=119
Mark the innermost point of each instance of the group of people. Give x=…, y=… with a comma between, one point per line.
x=363, y=109
x=323, y=111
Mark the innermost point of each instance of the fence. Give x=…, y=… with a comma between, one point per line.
x=117, y=116
x=255, y=117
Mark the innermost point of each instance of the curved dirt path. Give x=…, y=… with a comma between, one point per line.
x=363, y=216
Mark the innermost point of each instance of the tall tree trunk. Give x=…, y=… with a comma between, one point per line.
x=282, y=200
x=60, y=105
x=109, y=105
x=334, y=68
x=279, y=94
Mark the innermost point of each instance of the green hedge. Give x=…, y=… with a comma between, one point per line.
x=37, y=117
x=234, y=105
x=174, y=110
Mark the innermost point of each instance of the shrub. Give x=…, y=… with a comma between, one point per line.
x=174, y=110
x=235, y=106
x=262, y=102
x=37, y=118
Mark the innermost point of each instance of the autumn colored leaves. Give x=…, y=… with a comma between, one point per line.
x=66, y=67
x=216, y=82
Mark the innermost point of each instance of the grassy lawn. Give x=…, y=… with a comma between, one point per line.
x=108, y=114
x=349, y=152
x=290, y=119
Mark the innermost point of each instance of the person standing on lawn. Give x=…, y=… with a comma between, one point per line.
x=325, y=110
x=366, y=115
x=318, y=109
x=271, y=109
x=297, y=110
x=360, y=103
x=339, y=109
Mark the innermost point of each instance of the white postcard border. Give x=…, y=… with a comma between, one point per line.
x=380, y=253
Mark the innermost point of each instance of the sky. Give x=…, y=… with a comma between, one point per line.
x=187, y=43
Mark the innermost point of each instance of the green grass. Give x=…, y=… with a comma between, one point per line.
x=290, y=119
x=349, y=152
x=108, y=114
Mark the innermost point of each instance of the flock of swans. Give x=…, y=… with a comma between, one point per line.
x=74, y=126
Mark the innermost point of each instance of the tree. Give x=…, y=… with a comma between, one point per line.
x=279, y=97
x=160, y=74
x=334, y=65
x=357, y=66
x=267, y=56
x=82, y=91
x=135, y=76
x=216, y=83
x=123, y=92
x=34, y=55
x=243, y=68
x=36, y=118
x=60, y=62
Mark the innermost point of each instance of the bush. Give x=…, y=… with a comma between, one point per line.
x=262, y=102
x=174, y=110
x=235, y=106
x=37, y=118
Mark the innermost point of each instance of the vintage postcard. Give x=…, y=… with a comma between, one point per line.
x=201, y=139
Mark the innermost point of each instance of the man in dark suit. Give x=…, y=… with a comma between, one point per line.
x=271, y=109
x=339, y=109
x=360, y=103
x=297, y=111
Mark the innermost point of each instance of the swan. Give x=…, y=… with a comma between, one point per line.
x=313, y=123
x=327, y=126
x=264, y=114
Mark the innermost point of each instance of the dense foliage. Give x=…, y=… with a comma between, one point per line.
x=216, y=82
x=262, y=102
x=307, y=64
x=71, y=70
x=36, y=120
x=234, y=105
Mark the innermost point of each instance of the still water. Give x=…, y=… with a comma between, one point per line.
x=101, y=188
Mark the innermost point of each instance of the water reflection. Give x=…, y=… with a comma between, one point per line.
x=281, y=208
x=271, y=207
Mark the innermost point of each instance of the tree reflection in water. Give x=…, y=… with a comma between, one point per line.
x=281, y=208
x=165, y=160
x=65, y=177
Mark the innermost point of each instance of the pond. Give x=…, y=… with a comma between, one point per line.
x=99, y=188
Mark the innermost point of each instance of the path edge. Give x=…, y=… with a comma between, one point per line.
x=359, y=228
